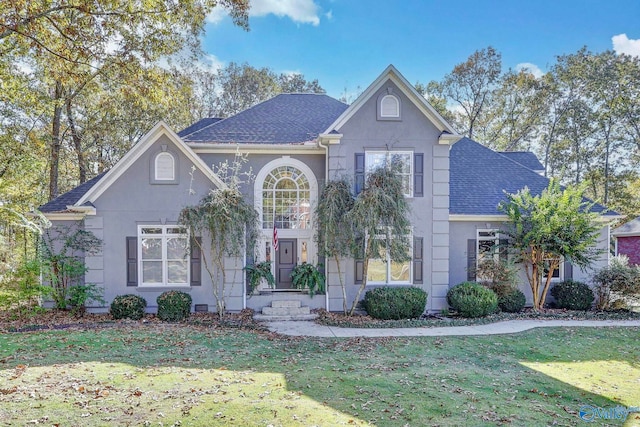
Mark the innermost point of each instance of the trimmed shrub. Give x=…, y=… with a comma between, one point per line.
x=512, y=302
x=392, y=303
x=128, y=307
x=174, y=306
x=471, y=299
x=573, y=295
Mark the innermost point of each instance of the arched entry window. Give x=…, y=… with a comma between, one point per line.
x=286, y=199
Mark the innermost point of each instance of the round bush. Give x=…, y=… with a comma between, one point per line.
x=573, y=295
x=392, y=303
x=128, y=307
x=471, y=299
x=512, y=302
x=173, y=306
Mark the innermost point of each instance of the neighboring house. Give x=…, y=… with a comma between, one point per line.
x=295, y=143
x=627, y=238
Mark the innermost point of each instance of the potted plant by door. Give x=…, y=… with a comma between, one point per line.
x=258, y=272
x=307, y=276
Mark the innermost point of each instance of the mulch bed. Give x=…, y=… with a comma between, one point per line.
x=39, y=320
x=60, y=320
x=364, y=321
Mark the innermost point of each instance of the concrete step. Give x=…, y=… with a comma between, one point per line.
x=285, y=303
x=285, y=311
x=286, y=318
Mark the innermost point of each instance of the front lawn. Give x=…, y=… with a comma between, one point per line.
x=157, y=374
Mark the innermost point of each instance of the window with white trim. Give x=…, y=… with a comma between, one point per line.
x=487, y=241
x=163, y=255
x=375, y=159
x=164, y=167
x=383, y=270
x=558, y=273
x=286, y=196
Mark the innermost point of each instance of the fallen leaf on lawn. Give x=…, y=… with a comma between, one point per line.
x=19, y=371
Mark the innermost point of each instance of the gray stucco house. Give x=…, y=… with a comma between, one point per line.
x=295, y=143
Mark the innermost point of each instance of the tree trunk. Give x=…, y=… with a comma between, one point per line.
x=365, y=271
x=56, y=142
x=607, y=142
x=77, y=143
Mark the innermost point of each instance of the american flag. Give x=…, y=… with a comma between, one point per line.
x=275, y=236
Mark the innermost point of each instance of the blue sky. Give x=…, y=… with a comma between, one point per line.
x=346, y=44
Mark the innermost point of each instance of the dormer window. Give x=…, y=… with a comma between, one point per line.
x=388, y=106
x=165, y=169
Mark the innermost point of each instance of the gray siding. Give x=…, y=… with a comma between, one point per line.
x=414, y=132
x=134, y=199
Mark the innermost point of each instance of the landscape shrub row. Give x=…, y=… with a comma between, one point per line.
x=173, y=306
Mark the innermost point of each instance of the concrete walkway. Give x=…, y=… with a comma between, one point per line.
x=312, y=329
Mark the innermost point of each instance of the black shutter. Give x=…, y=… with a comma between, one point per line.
x=418, y=260
x=568, y=270
x=132, y=261
x=418, y=175
x=471, y=260
x=359, y=170
x=503, y=249
x=359, y=272
x=195, y=263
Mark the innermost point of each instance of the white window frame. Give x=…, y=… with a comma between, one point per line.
x=560, y=277
x=389, y=277
x=495, y=239
x=370, y=164
x=164, y=235
x=156, y=169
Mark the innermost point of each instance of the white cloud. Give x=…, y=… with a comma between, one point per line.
x=300, y=11
x=210, y=63
x=291, y=73
x=623, y=44
x=216, y=15
x=532, y=68
x=329, y=15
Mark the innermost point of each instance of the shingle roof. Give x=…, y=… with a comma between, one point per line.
x=200, y=124
x=480, y=176
x=630, y=228
x=284, y=119
x=525, y=158
x=60, y=203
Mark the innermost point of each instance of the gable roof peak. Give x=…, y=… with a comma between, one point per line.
x=392, y=73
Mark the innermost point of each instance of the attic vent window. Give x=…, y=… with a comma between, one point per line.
x=165, y=167
x=388, y=107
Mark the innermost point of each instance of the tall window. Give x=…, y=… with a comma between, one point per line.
x=162, y=251
x=286, y=196
x=487, y=241
x=375, y=159
x=383, y=270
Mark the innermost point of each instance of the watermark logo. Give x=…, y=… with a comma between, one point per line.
x=591, y=413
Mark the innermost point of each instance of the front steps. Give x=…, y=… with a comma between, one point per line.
x=284, y=310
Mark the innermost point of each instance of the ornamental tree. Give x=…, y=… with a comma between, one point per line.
x=380, y=221
x=545, y=229
x=228, y=221
x=335, y=234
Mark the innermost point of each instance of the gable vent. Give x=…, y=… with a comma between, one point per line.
x=389, y=106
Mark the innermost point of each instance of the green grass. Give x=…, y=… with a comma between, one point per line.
x=187, y=375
